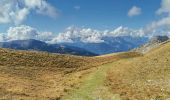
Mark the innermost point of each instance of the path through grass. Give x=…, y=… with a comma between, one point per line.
x=93, y=87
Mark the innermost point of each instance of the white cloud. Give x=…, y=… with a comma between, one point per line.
x=125, y=31
x=72, y=34
x=17, y=10
x=4, y=12
x=2, y=37
x=21, y=33
x=165, y=7
x=77, y=7
x=163, y=22
x=155, y=25
x=61, y=38
x=46, y=9
x=75, y=34
x=88, y=35
x=45, y=36
x=41, y=7
x=18, y=16
x=134, y=11
x=33, y=3
x=24, y=32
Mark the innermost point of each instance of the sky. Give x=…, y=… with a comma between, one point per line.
x=57, y=16
x=98, y=14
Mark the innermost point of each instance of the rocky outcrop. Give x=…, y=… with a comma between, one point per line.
x=159, y=39
x=153, y=43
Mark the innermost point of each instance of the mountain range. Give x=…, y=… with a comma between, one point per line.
x=36, y=45
x=110, y=45
x=46, y=76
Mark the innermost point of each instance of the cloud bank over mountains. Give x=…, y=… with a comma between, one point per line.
x=70, y=35
x=88, y=35
x=73, y=34
x=24, y=32
x=16, y=11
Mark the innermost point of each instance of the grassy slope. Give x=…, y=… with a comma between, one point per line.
x=142, y=78
x=38, y=75
x=93, y=87
x=31, y=75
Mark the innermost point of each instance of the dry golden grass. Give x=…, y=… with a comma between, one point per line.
x=37, y=75
x=33, y=75
x=142, y=78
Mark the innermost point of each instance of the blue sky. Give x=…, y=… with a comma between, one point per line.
x=97, y=14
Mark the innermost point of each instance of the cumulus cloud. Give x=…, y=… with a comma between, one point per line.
x=45, y=36
x=70, y=35
x=21, y=33
x=163, y=22
x=88, y=35
x=16, y=11
x=156, y=25
x=165, y=8
x=125, y=31
x=134, y=11
x=24, y=32
x=73, y=34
